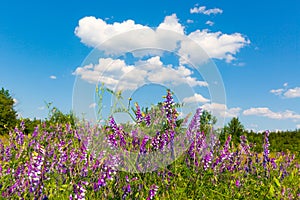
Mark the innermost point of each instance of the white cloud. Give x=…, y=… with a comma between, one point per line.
x=298, y=126
x=198, y=98
x=53, y=77
x=288, y=93
x=239, y=64
x=128, y=35
x=92, y=105
x=210, y=23
x=97, y=32
x=203, y=10
x=277, y=91
x=222, y=110
x=266, y=112
x=15, y=101
x=292, y=93
x=93, y=32
x=189, y=21
x=215, y=44
x=41, y=108
x=172, y=23
x=116, y=73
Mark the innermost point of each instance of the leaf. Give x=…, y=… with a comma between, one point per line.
x=277, y=182
x=272, y=190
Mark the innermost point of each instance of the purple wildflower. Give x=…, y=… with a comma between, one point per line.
x=274, y=165
x=138, y=114
x=19, y=136
x=135, y=139
x=266, y=152
x=224, y=154
x=237, y=183
x=194, y=125
x=143, y=149
x=152, y=191
x=148, y=120
x=118, y=133
x=171, y=113
x=7, y=154
x=79, y=190
x=155, y=142
x=245, y=145
x=207, y=160
x=126, y=190
x=35, y=170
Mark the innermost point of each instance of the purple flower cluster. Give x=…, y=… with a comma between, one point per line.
x=79, y=190
x=141, y=117
x=36, y=170
x=52, y=156
x=117, y=137
x=266, y=151
x=152, y=192
x=171, y=112
x=138, y=114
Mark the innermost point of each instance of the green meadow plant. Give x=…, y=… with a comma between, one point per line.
x=60, y=161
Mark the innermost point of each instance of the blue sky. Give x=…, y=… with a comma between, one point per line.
x=259, y=61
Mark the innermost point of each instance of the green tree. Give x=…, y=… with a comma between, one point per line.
x=30, y=124
x=8, y=116
x=235, y=129
x=55, y=116
x=207, y=121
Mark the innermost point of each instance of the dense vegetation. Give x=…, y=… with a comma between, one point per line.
x=8, y=116
x=61, y=159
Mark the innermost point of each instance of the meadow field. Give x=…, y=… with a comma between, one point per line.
x=114, y=161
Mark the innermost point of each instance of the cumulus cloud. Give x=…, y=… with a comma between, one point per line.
x=203, y=10
x=298, y=126
x=222, y=110
x=97, y=32
x=93, y=31
x=172, y=23
x=53, y=77
x=210, y=23
x=292, y=93
x=197, y=98
x=116, y=73
x=266, y=112
x=215, y=44
x=128, y=35
x=285, y=92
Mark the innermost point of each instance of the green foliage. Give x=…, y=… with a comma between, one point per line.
x=207, y=121
x=58, y=117
x=235, y=129
x=285, y=141
x=8, y=116
x=256, y=139
x=55, y=116
x=30, y=124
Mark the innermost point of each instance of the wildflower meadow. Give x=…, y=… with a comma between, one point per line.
x=155, y=158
